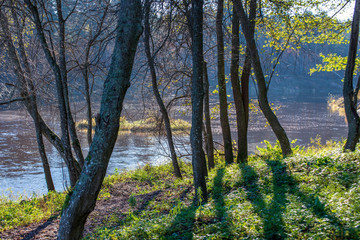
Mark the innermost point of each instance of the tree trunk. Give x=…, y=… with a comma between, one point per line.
x=41, y=146
x=65, y=98
x=88, y=97
x=197, y=96
x=350, y=97
x=224, y=119
x=27, y=88
x=159, y=100
x=255, y=59
x=241, y=122
x=66, y=152
x=83, y=198
x=208, y=133
x=241, y=92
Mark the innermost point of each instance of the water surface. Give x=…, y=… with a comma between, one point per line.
x=21, y=168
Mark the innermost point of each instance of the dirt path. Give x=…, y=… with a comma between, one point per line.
x=117, y=204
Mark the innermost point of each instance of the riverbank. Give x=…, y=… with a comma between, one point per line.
x=146, y=125
x=314, y=194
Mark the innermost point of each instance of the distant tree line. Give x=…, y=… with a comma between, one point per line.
x=53, y=46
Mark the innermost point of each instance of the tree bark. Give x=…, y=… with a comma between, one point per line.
x=241, y=122
x=241, y=92
x=197, y=96
x=83, y=197
x=157, y=95
x=350, y=96
x=261, y=83
x=224, y=119
x=208, y=133
x=88, y=103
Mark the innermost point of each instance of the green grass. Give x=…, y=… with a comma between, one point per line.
x=314, y=194
x=144, y=125
x=24, y=211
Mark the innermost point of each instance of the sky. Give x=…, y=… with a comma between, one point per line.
x=344, y=14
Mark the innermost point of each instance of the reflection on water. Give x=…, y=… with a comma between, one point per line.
x=21, y=168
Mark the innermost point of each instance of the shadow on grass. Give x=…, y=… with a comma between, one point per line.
x=220, y=208
x=146, y=200
x=182, y=226
x=272, y=213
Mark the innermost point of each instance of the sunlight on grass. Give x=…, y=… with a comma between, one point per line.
x=142, y=126
x=26, y=210
x=313, y=194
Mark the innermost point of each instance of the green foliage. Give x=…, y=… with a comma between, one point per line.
x=132, y=201
x=313, y=194
x=333, y=62
x=24, y=211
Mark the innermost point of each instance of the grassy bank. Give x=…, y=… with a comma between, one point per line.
x=143, y=125
x=315, y=194
x=27, y=210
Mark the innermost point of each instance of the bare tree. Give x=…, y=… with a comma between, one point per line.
x=83, y=197
x=60, y=73
x=27, y=90
x=88, y=61
x=163, y=110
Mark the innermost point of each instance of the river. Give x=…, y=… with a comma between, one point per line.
x=21, y=169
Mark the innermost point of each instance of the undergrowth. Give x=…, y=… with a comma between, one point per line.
x=27, y=210
x=313, y=194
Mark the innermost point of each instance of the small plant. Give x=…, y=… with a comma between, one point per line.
x=132, y=201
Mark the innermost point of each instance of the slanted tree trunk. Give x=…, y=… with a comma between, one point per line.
x=63, y=79
x=197, y=96
x=31, y=103
x=224, y=119
x=209, y=138
x=27, y=88
x=66, y=152
x=260, y=78
x=83, y=197
x=350, y=96
x=157, y=95
x=29, y=94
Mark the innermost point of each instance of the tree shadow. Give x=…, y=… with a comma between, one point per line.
x=312, y=202
x=220, y=209
x=272, y=220
x=182, y=226
x=34, y=232
x=283, y=183
x=146, y=200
